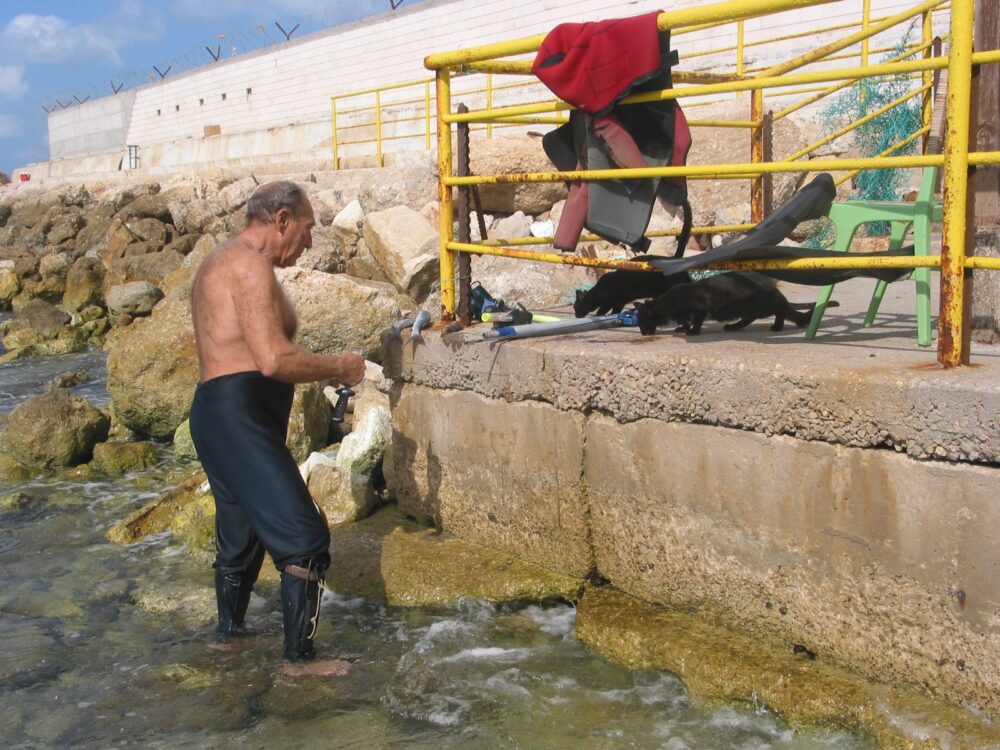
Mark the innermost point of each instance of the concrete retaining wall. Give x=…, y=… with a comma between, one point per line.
x=769, y=484
x=872, y=559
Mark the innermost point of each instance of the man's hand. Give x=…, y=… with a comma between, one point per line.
x=352, y=368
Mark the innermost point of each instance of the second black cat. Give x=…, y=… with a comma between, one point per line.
x=740, y=296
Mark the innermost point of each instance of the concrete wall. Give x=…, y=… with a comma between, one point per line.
x=871, y=559
x=838, y=496
x=282, y=94
x=92, y=127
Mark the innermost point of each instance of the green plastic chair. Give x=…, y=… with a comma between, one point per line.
x=920, y=214
x=901, y=215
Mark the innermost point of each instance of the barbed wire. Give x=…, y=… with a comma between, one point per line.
x=221, y=46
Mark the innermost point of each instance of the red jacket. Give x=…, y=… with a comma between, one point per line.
x=593, y=65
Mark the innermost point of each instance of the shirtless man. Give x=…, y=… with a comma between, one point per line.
x=244, y=326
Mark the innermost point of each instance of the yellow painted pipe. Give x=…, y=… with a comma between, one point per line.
x=730, y=10
x=427, y=115
x=838, y=74
x=848, y=261
x=952, y=349
x=983, y=262
x=445, y=204
x=709, y=170
x=866, y=17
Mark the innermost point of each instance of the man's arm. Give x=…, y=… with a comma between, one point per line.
x=257, y=300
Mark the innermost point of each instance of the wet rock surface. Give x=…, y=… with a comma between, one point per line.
x=56, y=429
x=806, y=691
x=389, y=558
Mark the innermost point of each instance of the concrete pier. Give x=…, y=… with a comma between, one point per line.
x=842, y=494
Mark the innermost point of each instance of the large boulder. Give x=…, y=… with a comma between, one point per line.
x=362, y=450
x=53, y=269
x=405, y=246
x=343, y=497
x=347, y=224
x=151, y=267
x=510, y=155
x=340, y=313
x=134, y=298
x=153, y=368
x=10, y=286
x=153, y=206
x=97, y=220
x=84, y=282
x=57, y=428
x=406, y=185
x=116, y=459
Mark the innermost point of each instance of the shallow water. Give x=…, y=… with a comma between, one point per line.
x=83, y=664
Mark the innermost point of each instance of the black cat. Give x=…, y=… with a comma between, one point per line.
x=742, y=296
x=616, y=289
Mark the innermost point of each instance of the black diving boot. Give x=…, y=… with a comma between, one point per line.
x=232, y=594
x=300, y=590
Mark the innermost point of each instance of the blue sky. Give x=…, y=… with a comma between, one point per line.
x=53, y=53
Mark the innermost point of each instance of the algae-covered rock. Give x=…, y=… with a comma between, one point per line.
x=12, y=470
x=195, y=605
x=84, y=282
x=156, y=515
x=342, y=496
x=14, y=500
x=183, y=444
x=57, y=428
x=153, y=368
x=194, y=524
x=718, y=665
x=116, y=459
x=189, y=678
x=389, y=558
x=362, y=450
x=10, y=286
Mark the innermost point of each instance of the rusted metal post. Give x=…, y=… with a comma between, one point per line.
x=986, y=292
x=757, y=155
x=462, y=209
x=959, y=192
x=767, y=131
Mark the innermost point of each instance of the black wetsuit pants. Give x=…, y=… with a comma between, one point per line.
x=238, y=424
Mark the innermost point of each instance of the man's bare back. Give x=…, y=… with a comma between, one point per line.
x=243, y=320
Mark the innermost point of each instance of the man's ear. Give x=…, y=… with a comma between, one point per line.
x=281, y=218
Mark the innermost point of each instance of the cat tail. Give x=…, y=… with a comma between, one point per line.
x=685, y=235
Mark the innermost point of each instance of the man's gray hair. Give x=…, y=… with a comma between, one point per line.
x=270, y=197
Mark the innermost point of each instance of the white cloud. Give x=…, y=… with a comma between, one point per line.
x=51, y=39
x=9, y=127
x=12, y=83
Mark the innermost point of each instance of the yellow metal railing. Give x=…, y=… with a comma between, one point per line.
x=955, y=161
x=362, y=125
